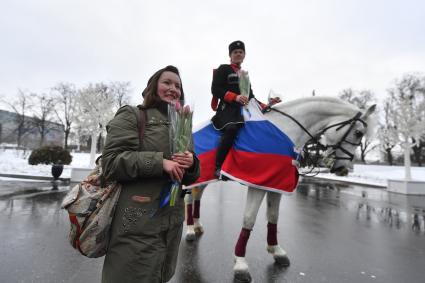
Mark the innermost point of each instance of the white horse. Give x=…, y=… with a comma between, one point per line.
x=341, y=124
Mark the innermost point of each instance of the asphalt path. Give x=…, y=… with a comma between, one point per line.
x=333, y=232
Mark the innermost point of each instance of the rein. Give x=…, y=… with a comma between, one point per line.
x=340, y=125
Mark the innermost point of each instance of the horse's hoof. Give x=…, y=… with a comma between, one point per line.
x=197, y=226
x=199, y=231
x=241, y=270
x=280, y=256
x=190, y=234
x=242, y=277
x=282, y=260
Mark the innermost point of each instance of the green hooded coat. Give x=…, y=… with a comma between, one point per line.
x=144, y=238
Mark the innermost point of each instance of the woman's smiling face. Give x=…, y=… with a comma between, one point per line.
x=169, y=87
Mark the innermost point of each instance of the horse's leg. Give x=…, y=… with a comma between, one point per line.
x=197, y=195
x=279, y=254
x=193, y=202
x=253, y=202
x=190, y=231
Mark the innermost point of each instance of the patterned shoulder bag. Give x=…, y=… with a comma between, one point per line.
x=91, y=206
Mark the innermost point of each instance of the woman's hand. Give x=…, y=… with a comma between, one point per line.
x=185, y=160
x=173, y=169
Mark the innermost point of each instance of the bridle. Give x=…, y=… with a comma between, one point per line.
x=339, y=145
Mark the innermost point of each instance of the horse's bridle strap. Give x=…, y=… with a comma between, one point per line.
x=351, y=122
x=298, y=123
x=340, y=125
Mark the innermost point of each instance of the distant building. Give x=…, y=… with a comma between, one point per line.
x=31, y=137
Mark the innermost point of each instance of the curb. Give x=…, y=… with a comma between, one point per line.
x=43, y=178
x=375, y=185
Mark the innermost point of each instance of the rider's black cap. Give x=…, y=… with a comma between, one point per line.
x=236, y=45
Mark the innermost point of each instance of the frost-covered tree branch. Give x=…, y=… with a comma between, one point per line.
x=94, y=109
x=407, y=111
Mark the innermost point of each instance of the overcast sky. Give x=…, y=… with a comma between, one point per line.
x=292, y=47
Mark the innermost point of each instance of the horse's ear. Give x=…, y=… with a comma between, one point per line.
x=369, y=111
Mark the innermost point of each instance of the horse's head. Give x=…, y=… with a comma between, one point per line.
x=340, y=124
x=342, y=138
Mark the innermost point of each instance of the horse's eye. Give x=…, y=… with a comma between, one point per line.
x=358, y=134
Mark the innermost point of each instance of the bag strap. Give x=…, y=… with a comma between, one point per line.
x=141, y=124
x=142, y=117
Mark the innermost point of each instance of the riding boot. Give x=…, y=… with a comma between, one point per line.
x=271, y=234
x=240, y=247
x=226, y=142
x=220, y=156
x=217, y=172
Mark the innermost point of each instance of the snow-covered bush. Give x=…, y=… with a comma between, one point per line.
x=50, y=155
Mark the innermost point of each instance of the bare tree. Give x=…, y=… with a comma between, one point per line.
x=20, y=106
x=408, y=113
x=362, y=99
x=42, y=108
x=121, y=92
x=387, y=139
x=418, y=149
x=65, y=96
x=95, y=109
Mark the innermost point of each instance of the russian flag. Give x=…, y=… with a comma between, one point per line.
x=262, y=156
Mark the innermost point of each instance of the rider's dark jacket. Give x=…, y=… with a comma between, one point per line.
x=225, y=87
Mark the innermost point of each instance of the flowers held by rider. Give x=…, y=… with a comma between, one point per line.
x=244, y=84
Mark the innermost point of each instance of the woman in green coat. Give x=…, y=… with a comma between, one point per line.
x=144, y=237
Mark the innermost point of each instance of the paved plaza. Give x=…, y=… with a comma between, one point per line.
x=333, y=232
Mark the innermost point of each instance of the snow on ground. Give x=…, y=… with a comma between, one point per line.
x=15, y=162
x=376, y=175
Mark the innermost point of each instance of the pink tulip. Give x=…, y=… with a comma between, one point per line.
x=186, y=109
x=177, y=105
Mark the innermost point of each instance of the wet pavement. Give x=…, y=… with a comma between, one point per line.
x=333, y=232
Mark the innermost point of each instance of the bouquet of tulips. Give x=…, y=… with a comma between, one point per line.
x=180, y=116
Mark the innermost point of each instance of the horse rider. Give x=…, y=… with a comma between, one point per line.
x=227, y=101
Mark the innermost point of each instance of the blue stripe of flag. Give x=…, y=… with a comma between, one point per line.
x=206, y=139
x=264, y=137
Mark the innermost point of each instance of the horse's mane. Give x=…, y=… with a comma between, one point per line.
x=335, y=106
x=343, y=106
